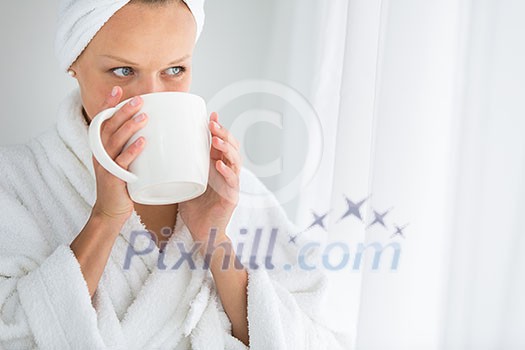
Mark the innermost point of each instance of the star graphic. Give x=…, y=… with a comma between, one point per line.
x=353, y=209
x=399, y=231
x=379, y=218
x=318, y=220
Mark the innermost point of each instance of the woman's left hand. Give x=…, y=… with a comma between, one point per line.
x=214, y=208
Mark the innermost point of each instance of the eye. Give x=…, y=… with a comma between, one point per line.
x=122, y=72
x=175, y=70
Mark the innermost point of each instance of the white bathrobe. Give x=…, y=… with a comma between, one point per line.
x=47, y=190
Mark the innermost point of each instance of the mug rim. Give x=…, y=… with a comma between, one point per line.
x=192, y=95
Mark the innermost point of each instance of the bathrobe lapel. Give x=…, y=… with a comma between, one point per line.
x=163, y=304
x=167, y=303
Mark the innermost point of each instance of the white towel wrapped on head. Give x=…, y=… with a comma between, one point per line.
x=80, y=20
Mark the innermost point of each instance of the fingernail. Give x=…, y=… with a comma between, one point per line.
x=221, y=141
x=216, y=125
x=139, y=117
x=140, y=142
x=135, y=101
x=114, y=92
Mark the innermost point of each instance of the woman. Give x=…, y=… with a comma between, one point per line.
x=76, y=270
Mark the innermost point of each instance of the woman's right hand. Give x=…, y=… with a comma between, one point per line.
x=113, y=200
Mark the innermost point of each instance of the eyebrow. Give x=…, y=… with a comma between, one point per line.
x=136, y=64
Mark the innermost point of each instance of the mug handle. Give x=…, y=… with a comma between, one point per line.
x=95, y=143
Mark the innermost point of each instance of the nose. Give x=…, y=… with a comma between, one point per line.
x=148, y=84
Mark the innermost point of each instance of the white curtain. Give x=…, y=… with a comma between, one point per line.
x=422, y=114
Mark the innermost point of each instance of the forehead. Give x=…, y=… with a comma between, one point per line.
x=143, y=32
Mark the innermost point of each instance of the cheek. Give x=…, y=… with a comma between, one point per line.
x=185, y=84
x=93, y=100
x=94, y=91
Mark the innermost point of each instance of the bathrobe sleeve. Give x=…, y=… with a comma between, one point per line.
x=284, y=309
x=44, y=299
x=284, y=303
x=283, y=312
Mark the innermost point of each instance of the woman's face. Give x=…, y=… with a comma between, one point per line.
x=142, y=48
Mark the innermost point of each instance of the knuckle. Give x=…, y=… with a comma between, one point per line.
x=123, y=113
x=132, y=105
x=113, y=143
x=128, y=127
x=122, y=160
x=107, y=125
x=126, y=109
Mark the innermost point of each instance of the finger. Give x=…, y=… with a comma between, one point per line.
x=110, y=126
x=119, y=139
x=229, y=152
x=112, y=98
x=231, y=178
x=220, y=131
x=214, y=116
x=130, y=153
x=214, y=153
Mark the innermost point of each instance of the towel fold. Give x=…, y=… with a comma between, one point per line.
x=80, y=20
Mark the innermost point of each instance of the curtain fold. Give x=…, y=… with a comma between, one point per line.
x=484, y=297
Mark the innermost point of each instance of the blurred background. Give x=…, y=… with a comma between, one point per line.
x=409, y=114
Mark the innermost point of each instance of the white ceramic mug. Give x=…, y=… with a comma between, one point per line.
x=174, y=164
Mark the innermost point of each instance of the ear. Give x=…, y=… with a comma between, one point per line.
x=75, y=66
